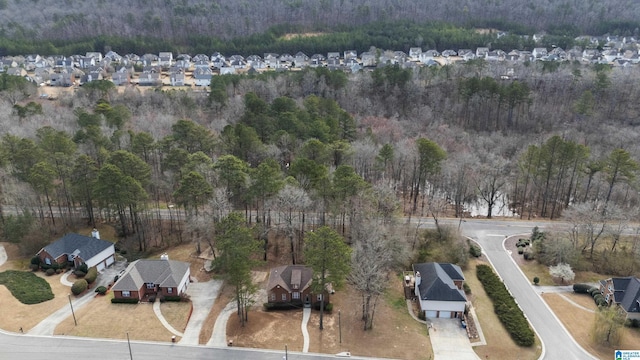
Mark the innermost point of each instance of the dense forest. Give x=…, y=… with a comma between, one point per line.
x=193, y=26
x=316, y=147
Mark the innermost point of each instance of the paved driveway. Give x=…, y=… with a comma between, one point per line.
x=202, y=295
x=449, y=340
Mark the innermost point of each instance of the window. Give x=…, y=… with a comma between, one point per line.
x=273, y=297
x=284, y=297
x=169, y=290
x=296, y=295
x=126, y=293
x=47, y=261
x=150, y=286
x=319, y=297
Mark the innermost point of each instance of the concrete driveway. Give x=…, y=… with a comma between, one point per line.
x=449, y=340
x=3, y=255
x=203, y=295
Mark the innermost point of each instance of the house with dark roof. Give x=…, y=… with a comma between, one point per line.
x=438, y=287
x=624, y=292
x=75, y=250
x=291, y=284
x=146, y=278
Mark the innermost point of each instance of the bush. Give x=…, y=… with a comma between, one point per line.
x=520, y=251
x=328, y=307
x=35, y=260
x=124, y=301
x=598, y=298
x=50, y=272
x=280, y=306
x=528, y=254
x=83, y=267
x=79, y=273
x=475, y=250
x=593, y=291
x=505, y=307
x=34, y=267
x=92, y=275
x=173, y=298
x=581, y=288
x=632, y=323
x=79, y=287
x=422, y=316
x=536, y=280
x=101, y=290
x=467, y=289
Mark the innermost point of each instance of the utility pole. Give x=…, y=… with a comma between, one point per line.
x=73, y=313
x=340, y=326
x=129, y=343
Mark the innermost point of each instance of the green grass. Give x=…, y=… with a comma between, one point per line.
x=26, y=286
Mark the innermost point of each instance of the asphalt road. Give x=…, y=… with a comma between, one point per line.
x=25, y=347
x=557, y=342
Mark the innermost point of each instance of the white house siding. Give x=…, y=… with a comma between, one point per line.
x=633, y=315
x=431, y=307
x=184, y=282
x=101, y=257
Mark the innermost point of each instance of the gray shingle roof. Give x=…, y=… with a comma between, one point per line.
x=88, y=246
x=437, y=281
x=165, y=273
x=627, y=293
x=281, y=275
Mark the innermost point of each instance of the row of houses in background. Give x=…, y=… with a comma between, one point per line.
x=186, y=70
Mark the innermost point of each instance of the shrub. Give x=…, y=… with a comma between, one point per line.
x=173, y=298
x=475, y=250
x=528, y=254
x=280, y=306
x=83, y=267
x=467, y=289
x=505, y=307
x=50, y=272
x=101, y=290
x=124, y=301
x=536, y=280
x=79, y=273
x=79, y=287
x=520, y=251
x=34, y=267
x=328, y=307
x=581, y=288
x=632, y=323
x=598, y=298
x=92, y=275
x=422, y=316
x=35, y=260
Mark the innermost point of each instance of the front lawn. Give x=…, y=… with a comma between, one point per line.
x=27, y=287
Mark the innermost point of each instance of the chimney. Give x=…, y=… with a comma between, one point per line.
x=164, y=256
x=95, y=233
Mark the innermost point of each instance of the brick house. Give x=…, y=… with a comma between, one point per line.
x=624, y=292
x=292, y=284
x=150, y=278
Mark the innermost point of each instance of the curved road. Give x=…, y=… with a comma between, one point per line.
x=490, y=234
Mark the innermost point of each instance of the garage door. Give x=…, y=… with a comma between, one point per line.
x=110, y=260
x=100, y=266
x=432, y=314
x=445, y=314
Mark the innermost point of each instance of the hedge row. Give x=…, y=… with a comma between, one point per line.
x=124, y=301
x=505, y=307
x=582, y=288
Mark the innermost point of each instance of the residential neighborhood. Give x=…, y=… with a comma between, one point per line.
x=168, y=69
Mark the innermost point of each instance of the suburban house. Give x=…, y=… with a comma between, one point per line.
x=149, y=278
x=75, y=250
x=625, y=292
x=438, y=287
x=291, y=284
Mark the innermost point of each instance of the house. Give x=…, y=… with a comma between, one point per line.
x=121, y=78
x=165, y=59
x=438, y=287
x=301, y=59
x=202, y=76
x=350, y=54
x=291, y=284
x=414, y=53
x=482, y=52
x=62, y=79
x=91, y=76
x=176, y=78
x=624, y=292
x=146, y=278
x=75, y=250
x=149, y=79
x=368, y=59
